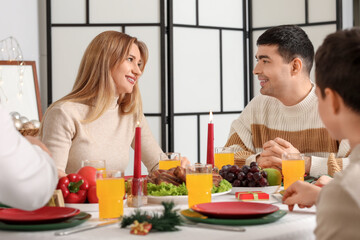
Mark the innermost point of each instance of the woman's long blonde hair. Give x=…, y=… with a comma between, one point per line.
x=94, y=86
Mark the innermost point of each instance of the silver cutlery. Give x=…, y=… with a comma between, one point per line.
x=62, y=233
x=188, y=223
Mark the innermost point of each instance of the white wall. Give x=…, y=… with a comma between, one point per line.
x=19, y=18
x=347, y=13
x=26, y=21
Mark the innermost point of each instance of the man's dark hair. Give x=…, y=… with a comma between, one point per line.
x=337, y=66
x=292, y=42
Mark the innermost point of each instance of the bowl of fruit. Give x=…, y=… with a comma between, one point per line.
x=251, y=178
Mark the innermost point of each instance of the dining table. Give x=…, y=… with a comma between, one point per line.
x=296, y=224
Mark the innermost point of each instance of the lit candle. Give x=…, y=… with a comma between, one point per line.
x=137, y=156
x=210, y=142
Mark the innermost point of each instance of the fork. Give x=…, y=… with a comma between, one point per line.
x=188, y=223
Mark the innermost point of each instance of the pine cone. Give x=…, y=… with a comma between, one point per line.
x=334, y=164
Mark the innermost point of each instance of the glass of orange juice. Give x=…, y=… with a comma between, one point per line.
x=98, y=164
x=223, y=156
x=293, y=168
x=110, y=189
x=199, y=183
x=169, y=160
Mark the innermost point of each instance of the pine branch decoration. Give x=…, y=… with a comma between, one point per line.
x=160, y=222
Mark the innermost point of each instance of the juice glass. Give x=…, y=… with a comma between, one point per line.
x=223, y=156
x=169, y=160
x=98, y=164
x=199, y=183
x=110, y=189
x=293, y=168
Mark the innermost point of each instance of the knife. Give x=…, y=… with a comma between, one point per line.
x=62, y=233
x=215, y=227
x=189, y=223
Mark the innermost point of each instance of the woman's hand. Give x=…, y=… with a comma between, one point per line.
x=184, y=162
x=302, y=193
x=36, y=141
x=61, y=173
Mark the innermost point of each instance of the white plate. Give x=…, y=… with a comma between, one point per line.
x=268, y=190
x=177, y=199
x=86, y=207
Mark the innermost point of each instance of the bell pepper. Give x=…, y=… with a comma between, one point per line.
x=74, y=188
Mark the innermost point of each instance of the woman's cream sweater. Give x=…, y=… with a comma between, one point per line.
x=107, y=138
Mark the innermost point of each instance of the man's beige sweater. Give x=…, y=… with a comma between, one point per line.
x=266, y=118
x=107, y=138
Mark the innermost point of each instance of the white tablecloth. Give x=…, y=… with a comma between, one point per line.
x=298, y=224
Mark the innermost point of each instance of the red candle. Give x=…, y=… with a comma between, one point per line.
x=210, y=142
x=137, y=157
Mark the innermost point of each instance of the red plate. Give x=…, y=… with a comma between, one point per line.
x=231, y=210
x=44, y=214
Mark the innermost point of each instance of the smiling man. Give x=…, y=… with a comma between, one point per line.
x=284, y=119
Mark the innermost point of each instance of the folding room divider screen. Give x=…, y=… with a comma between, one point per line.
x=201, y=55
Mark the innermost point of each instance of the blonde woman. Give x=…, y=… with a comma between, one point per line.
x=97, y=119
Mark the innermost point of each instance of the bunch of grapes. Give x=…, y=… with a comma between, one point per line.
x=247, y=176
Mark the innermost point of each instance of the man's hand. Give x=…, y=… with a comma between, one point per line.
x=273, y=151
x=36, y=141
x=267, y=161
x=302, y=193
x=285, y=146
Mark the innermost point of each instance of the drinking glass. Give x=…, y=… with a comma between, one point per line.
x=199, y=183
x=98, y=164
x=223, y=156
x=169, y=160
x=293, y=168
x=110, y=189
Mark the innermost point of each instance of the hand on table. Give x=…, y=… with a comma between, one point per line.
x=323, y=180
x=302, y=193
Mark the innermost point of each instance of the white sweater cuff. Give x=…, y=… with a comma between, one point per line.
x=318, y=166
x=345, y=163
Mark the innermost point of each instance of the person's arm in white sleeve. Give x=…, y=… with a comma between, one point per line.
x=28, y=174
x=319, y=164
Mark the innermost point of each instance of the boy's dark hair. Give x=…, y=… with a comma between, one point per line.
x=337, y=66
x=292, y=42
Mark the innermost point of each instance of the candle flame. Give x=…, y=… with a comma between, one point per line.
x=137, y=123
x=210, y=117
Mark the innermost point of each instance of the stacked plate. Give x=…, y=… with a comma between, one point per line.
x=234, y=213
x=46, y=218
x=178, y=199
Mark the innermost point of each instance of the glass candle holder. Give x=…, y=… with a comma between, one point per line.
x=136, y=192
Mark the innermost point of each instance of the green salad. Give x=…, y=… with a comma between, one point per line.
x=168, y=189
